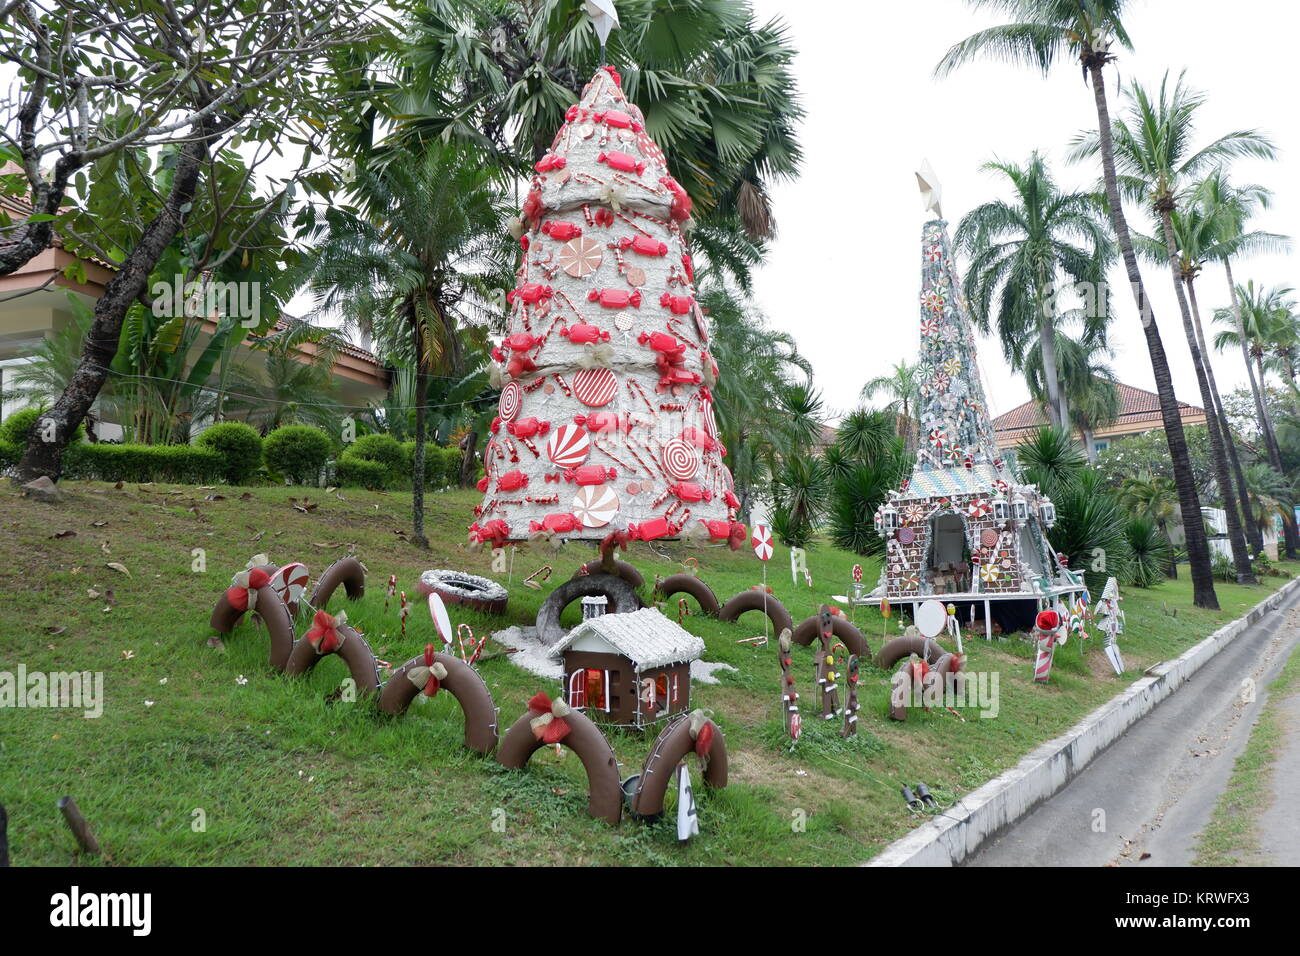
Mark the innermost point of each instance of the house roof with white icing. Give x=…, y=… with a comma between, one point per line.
x=645, y=637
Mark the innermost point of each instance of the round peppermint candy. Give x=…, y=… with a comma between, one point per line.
x=710, y=422
x=680, y=460
x=290, y=582
x=595, y=387
x=595, y=505
x=906, y=535
x=988, y=537
x=568, y=446
x=761, y=542
x=512, y=399
x=580, y=257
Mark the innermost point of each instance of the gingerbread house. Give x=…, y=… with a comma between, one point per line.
x=632, y=669
x=963, y=528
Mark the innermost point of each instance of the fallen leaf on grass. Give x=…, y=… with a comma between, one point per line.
x=103, y=546
x=128, y=655
x=246, y=496
x=98, y=524
x=331, y=489
x=214, y=497
x=118, y=567
x=215, y=642
x=92, y=594
x=63, y=534
x=56, y=628
x=307, y=506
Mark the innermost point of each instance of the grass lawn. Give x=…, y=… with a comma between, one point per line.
x=281, y=776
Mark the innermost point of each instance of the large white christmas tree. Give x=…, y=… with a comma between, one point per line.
x=606, y=417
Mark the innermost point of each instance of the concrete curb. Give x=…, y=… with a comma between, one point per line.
x=947, y=840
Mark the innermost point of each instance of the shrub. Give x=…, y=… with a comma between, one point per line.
x=1090, y=530
x=1222, y=568
x=383, y=450
x=1151, y=552
x=240, y=447
x=14, y=429
x=441, y=465
x=178, y=463
x=298, y=452
x=361, y=473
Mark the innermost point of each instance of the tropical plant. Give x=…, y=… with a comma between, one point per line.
x=856, y=495
x=1150, y=550
x=715, y=87
x=902, y=388
x=1090, y=529
x=292, y=384
x=799, y=491
x=1087, y=382
x=1041, y=34
x=1051, y=459
x=1271, y=494
x=1157, y=166
x=766, y=409
x=419, y=263
x=1020, y=251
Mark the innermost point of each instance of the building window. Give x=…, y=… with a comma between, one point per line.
x=1101, y=445
x=588, y=687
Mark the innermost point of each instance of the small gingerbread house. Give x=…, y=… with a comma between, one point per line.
x=963, y=527
x=631, y=669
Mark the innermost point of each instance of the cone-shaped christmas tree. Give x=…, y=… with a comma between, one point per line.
x=963, y=524
x=606, y=418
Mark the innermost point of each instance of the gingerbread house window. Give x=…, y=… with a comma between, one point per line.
x=589, y=687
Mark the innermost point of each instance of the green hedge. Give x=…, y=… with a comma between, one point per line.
x=240, y=447
x=360, y=473
x=178, y=463
x=14, y=429
x=298, y=452
x=441, y=465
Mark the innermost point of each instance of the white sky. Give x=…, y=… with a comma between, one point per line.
x=844, y=273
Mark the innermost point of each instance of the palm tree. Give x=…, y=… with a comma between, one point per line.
x=1019, y=252
x=1043, y=32
x=765, y=406
x=1157, y=164
x=294, y=386
x=421, y=261
x=1153, y=497
x=1231, y=207
x=1271, y=494
x=1087, y=381
x=715, y=86
x=902, y=387
x=1195, y=233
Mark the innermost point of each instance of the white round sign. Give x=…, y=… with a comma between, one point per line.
x=931, y=619
x=438, y=611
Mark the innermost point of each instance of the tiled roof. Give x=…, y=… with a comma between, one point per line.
x=645, y=637
x=348, y=348
x=1138, y=407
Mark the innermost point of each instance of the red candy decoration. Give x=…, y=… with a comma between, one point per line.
x=622, y=162
x=615, y=298
x=561, y=231
x=583, y=333
x=512, y=481
x=590, y=475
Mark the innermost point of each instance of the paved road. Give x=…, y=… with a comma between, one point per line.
x=1158, y=784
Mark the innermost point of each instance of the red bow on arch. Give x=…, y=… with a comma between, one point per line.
x=549, y=727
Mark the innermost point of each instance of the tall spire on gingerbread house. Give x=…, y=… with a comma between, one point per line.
x=606, y=416
x=956, y=431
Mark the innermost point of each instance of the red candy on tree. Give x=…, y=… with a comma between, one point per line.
x=677, y=304
x=617, y=119
x=604, y=217
x=549, y=162
x=533, y=207
x=558, y=523
x=512, y=481
x=583, y=333
x=650, y=530
x=700, y=438
x=528, y=427
x=521, y=341
x=622, y=162
x=681, y=207
x=520, y=365
x=590, y=475
x=602, y=422
x=531, y=292
x=495, y=531
x=674, y=375
x=561, y=231
x=664, y=343
x=690, y=491
x=615, y=298
x=689, y=265
x=644, y=245
x=482, y=484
